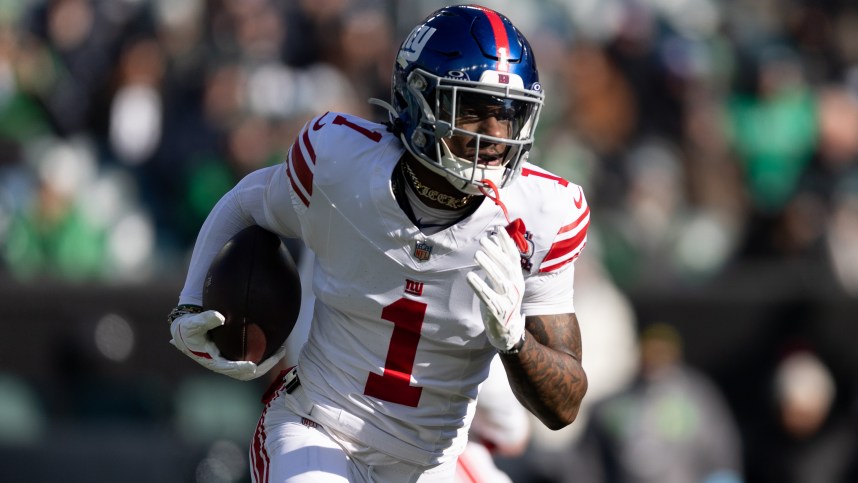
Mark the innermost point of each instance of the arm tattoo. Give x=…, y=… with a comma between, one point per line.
x=546, y=375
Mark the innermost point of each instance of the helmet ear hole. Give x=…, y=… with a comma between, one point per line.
x=418, y=82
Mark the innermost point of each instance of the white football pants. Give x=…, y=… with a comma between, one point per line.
x=287, y=448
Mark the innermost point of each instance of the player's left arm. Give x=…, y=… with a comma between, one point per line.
x=541, y=346
x=541, y=353
x=546, y=373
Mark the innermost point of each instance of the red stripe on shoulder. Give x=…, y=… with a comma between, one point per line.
x=309, y=146
x=564, y=247
x=561, y=264
x=571, y=226
x=568, y=243
x=295, y=188
x=302, y=170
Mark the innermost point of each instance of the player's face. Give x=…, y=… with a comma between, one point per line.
x=488, y=116
x=487, y=123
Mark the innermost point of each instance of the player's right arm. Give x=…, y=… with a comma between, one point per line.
x=261, y=198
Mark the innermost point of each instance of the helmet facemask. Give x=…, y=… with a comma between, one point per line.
x=443, y=109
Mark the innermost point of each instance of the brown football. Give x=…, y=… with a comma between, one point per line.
x=254, y=283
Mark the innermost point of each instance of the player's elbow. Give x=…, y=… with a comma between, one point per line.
x=565, y=413
x=559, y=420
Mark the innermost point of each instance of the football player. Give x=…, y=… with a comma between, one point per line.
x=438, y=246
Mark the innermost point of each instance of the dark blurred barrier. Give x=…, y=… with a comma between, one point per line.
x=106, y=397
x=738, y=326
x=47, y=329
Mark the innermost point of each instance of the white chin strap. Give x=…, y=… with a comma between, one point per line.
x=466, y=175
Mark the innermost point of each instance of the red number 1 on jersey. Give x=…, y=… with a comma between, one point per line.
x=394, y=384
x=341, y=121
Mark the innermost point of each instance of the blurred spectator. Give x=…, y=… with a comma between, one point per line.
x=75, y=221
x=50, y=236
x=774, y=129
x=807, y=438
x=670, y=425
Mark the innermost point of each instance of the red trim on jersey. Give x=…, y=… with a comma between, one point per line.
x=298, y=169
x=295, y=187
x=563, y=248
x=571, y=226
x=501, y=39
x=302, y=171
x=561, y=264
x=309, y=145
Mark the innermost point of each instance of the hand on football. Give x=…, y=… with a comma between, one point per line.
x=501, y=292
x=190, y=336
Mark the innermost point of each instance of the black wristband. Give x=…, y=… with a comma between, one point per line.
x=182, y=310
x=516, y=348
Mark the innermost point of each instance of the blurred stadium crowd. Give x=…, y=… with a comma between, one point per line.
x=708, y=134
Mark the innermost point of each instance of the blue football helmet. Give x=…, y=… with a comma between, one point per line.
x=460, y=63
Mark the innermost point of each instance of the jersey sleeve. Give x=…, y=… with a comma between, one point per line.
x=258, y=199
x=550, y=289
x=571, y=238
x=550, y=293
x=279, y=204
x=301, y=164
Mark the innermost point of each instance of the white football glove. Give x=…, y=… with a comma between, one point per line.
x=190, y=325
x=501, y=293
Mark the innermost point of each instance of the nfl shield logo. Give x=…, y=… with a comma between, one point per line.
x=422, y=250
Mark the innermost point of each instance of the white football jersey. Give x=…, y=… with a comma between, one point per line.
x=397, y=342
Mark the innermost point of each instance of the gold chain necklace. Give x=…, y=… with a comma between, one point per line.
x=434, y=195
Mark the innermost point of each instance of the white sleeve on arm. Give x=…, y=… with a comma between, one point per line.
x=261, y=198
x=550, y=293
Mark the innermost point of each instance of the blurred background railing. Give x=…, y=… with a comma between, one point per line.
x=716, y=140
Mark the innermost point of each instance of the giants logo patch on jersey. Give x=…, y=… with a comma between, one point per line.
x=413, y=287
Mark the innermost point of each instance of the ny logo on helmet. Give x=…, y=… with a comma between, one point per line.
x=413, y=46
